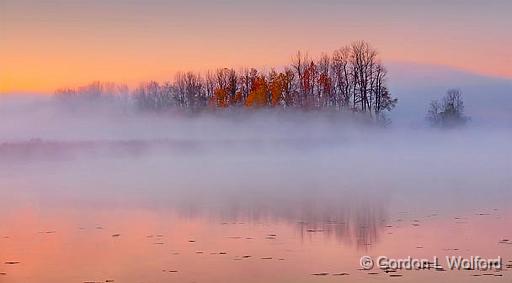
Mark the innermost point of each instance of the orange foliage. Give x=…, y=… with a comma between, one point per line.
x=278, y=85
x=237, y=99
x=220, y=98
x=258, y=96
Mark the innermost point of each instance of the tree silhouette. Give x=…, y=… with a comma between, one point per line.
x=350, y=79
x=449, y=112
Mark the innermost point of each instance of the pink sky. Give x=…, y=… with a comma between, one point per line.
x=49, y=44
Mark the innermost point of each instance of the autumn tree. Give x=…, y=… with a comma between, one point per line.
x=325, y=94
x=246, y=81
x=259, y=95
x=352, y=78
x=276, y=86
x=225, y=87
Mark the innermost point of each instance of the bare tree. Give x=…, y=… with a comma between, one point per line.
x=152, y=96
x=448, y=113
x=352, y=78
x=342, y=77
x=300, y=63
x=362, y=60
x=189, y=91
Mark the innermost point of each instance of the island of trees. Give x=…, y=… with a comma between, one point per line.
x=352, y=78
x=448, y=113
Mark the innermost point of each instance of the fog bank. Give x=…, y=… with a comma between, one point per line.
x=275, y=161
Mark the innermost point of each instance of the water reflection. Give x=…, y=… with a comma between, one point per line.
x=352, y=219
x=255, y=213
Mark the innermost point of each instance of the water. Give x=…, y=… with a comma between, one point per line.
x=301, y=209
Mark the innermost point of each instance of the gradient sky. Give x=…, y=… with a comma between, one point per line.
x=47, y=44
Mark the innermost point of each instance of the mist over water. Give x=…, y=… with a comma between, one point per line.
x=255, y=141
x=300, y=173
x=488, y=100
x=246, y=150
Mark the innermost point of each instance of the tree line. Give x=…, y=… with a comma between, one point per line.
x=352, y=78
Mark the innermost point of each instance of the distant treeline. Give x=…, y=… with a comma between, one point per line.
x=352, y=78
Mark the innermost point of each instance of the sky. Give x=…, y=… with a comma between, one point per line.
x=47, y=44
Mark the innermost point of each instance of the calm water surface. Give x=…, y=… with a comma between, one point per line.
x=219, y=216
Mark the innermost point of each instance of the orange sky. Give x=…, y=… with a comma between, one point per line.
x=49, y=44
